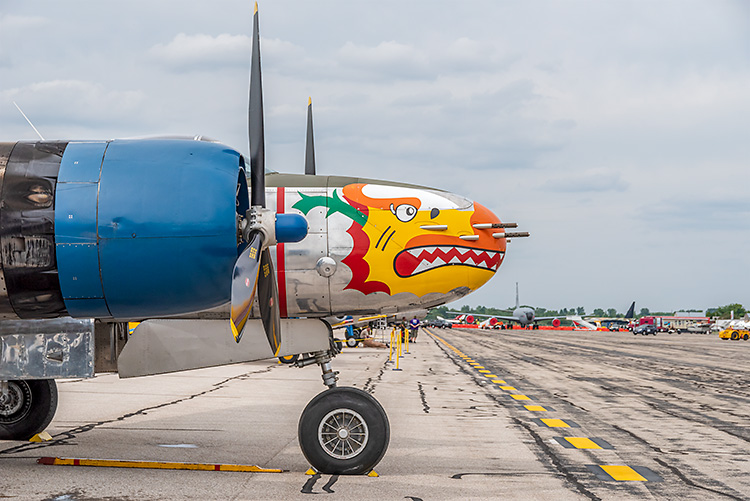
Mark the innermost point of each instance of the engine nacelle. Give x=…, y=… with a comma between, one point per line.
x=556, y=323
x=118, y=229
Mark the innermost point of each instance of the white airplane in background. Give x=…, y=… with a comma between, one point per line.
x=580, y=323
x=524, y=315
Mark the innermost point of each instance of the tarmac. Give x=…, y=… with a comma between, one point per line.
x=512, y=414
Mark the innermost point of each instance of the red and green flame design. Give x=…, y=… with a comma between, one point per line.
x=359, y=214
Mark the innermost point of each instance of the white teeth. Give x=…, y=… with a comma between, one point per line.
x=423, y=266
x=478, y=258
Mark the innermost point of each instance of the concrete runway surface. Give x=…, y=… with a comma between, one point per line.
x=474, y=415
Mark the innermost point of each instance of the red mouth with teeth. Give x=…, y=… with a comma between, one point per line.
x=416, y=260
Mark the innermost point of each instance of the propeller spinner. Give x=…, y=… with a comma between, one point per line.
x=253, y=270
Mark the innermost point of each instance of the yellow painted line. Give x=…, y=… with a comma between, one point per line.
x=520, y=397
x=555, y=423
x=484, y=371
x=535, y=408
x=499, y=381
x=623, y=473
x=477, y=366
x=158, y=465
x=508, y=388
x=582, y=443
x=468, y=359
x=490, y=375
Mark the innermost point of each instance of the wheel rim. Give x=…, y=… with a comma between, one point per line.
x=17, y=404
x=343, y=433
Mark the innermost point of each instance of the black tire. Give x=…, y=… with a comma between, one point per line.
x=367, y=421
x=351, y=342
x=339, y=345
x=31, y=407
x=735, y=335
x=289, y=359
x=745, y=337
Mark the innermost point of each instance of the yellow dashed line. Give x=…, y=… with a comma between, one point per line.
x=520, y=397
x=623, y=473
x=582, y=443
x=499, y=381
x=485, y=371
x=555, y=423
x=508, y=388
x=535, y=408
x=490, y=375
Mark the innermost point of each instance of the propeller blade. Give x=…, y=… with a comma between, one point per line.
x=244, y=284
x=255, y=124
x=310, y=145
x=268, y=300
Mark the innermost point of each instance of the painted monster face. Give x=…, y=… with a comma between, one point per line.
x=413, y=240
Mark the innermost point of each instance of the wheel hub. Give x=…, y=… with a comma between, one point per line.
x=12, y=401
x=343, y=433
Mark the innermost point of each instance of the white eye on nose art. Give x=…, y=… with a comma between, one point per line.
x=404, y=212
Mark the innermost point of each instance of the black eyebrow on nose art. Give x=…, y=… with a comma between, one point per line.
x=434, y=213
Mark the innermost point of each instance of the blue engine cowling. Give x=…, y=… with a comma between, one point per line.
x=125, y=229
x=146, y=228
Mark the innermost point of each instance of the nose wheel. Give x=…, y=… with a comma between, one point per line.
x=344, y=431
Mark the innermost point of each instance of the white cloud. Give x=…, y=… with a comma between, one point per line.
x=69, y=103
x=596, y=181
x=387, y=60
x=201, y=52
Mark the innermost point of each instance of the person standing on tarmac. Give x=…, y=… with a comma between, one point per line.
x=413, y=329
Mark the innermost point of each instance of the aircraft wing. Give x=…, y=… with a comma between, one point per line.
x=498, y=317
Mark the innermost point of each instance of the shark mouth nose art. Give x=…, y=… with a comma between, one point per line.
x=410, y=262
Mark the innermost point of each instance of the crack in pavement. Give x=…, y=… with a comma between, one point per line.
x=66, y=436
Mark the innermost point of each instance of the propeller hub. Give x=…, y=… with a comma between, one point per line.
x=262, y=220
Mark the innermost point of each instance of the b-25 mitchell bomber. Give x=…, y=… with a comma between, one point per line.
x=217, y=266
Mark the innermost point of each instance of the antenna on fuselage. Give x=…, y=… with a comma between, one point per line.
x=27, y=119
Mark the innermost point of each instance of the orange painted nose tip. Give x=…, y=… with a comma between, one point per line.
x=482, y=222
x=483, y=215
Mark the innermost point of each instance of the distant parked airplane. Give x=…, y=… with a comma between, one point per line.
x=521, y=314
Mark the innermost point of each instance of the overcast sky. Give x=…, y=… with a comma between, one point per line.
x=617, y=132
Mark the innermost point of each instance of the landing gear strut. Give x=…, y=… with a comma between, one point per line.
x=26, y=407
x=342, y=430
